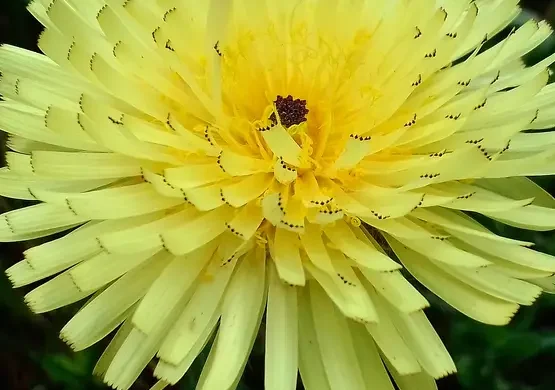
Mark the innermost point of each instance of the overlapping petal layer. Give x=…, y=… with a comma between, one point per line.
x=219, y=160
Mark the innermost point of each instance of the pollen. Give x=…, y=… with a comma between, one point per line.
x=290, y=111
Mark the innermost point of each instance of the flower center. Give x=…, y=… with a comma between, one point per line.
x=291, y=112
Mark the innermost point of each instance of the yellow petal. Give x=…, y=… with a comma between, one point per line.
x=422, y=338
x=397, y=290
x=455, y=222
x=37, y=221
x=191, y=176
x=372, y=367
x=242, y=311
x=356, y=148
x=111, y=203
x=144, y=233
x=197, y=317
x=105, y=312
x=103, y=268
x=390, y=340
x=528, y=217
x=247, y=189
x=473, y=303
x=172, y=373
x=547, y=284
x=495, y=284
x=283, y=172
x=313, y=244
x=55, y=293
x=444, y=251
x=281, y=335
x=239, y=165
x=85, y=165
x=282, y=144
x=338, y=353
x=287, y=258
x=519, y=188
x=311, y=366
x=363, y=252
x=418, y=381
x=512, y=253
x=246, y=221
x=347, y=293
x=195, y=233
x=206, y=198
x=172, y=288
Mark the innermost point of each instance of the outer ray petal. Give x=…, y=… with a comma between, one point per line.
x=372, y=367
x=200, y=314
x=338, y=353
x=281, y=335
x=105, y=312
x=464, y=298
x=287, y=257
x=311, y=366
x=242, y=312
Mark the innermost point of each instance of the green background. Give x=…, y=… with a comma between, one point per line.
x=520, y=356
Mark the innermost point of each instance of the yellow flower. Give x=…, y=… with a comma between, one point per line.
x=229, y=158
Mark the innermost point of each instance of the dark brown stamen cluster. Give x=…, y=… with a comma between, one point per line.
x=291, y=112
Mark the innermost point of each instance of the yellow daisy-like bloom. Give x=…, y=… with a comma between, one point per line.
x=229, y=158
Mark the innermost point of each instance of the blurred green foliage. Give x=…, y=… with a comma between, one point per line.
x=519, y=356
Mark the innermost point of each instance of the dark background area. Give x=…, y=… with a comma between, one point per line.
x=520, y=356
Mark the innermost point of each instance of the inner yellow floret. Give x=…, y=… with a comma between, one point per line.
x=293, y=123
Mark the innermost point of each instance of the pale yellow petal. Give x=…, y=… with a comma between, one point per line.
x=246, y=190
x=173, y=287
x=474, y=303
x=287, y=257
x=242, y=311
x=456, y=222
x=495, y=284
x=144, y=232
x=363, y=252
x=105, y=312
x=191, y=175
x=547, y=284
x=390, y=341
x=173, y=373
x=17, y=186
x=397, y=290
x=528, y=217
x=519, y=188
x=37, y=221
x=57, y=292
x=371, y=364
x=347, y=293
x=512, y=253
x=313, y=244
x=338, y=352
x=195, y=233
x=199, y=312
x=311, y=366
x=442, y=250
x=419, y=381
x=104, y=268
x=160, y=385
x=281, y=335
x=246, y=221
x=111, y=203
x=110, y=352
x=423, y=340
x=282, y=144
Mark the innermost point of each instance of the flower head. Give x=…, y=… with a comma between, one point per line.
x=218, y=160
